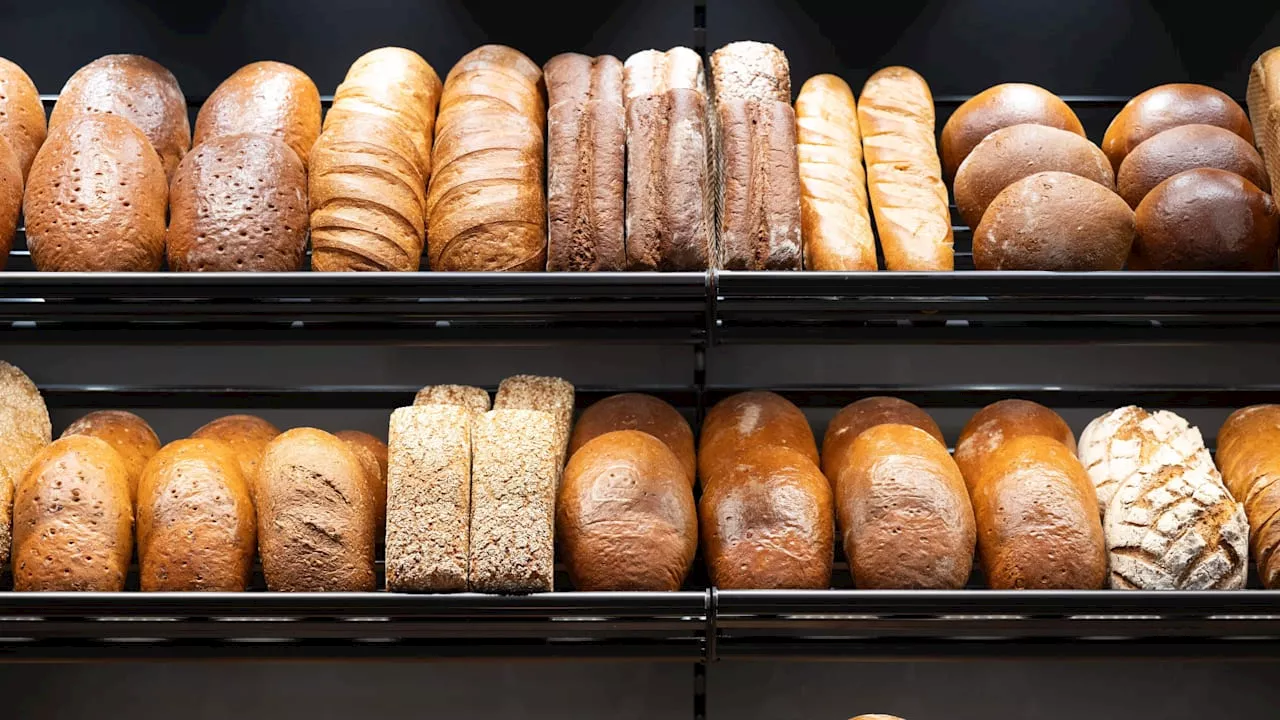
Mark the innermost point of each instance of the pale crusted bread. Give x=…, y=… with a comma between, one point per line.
x=1264, y=109
x=549, y=394
x=749, y=70
x=399, y=85
x=473, y=398
x=653, y=72
x=904, y=174
x=22, y=122
x=24, y=431
x=1176, y=528
x=1130, y=441
x=834, y=214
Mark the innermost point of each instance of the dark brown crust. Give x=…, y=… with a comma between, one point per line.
x=635, y=411
x=1187, y=147
x=999, y=107
x=856, y=418
x=998, y=423
x=1168, y=106
x=268, y=97
x=746, y=420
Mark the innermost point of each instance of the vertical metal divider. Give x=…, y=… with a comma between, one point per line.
x=700, y=389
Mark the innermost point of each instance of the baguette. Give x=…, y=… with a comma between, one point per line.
x=904, y=175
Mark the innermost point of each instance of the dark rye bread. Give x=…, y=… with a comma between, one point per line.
x=586, y=162
x=759, y=188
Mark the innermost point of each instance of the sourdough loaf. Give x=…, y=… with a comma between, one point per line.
x=858, y=417
x=22, y=122
x=1000, y=422
x=125, y=432
x=474, y=399
x=396, y=84
x=999, y=107
x=1249, y=455
x=372, y=454
x=1187, y=147
x=751, y=419
x=267, y=98
x=248, y=437
x=24, y=431
x=635, y=411
x=1168, y=106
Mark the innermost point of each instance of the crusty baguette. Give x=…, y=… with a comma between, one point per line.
x=1264, y=109
x=834, y=216
x=904, y=175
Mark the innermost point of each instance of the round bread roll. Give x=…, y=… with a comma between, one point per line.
x=856, y=418
x=1012, y=153
x=22, y=122
x=1037, y=518
x=137, y=89
x=1000, y=422
x=127, y=433
x=267, y=98
x=1054, y=221
x=751, y=419
x=1168, y=106
x=96, y=199
x=768, y=525
x=1206, y=219
x=239, y=203
x=636, y=411
x=10, y=194
x=24, y=431
x=397, y=84
x=1187, y=147
x=904, y=512
x=999, y=107
x=625, y=517
x=372, y=454
x=196, y=526
x=316, y=519
x=248, y=436
x=73, y=519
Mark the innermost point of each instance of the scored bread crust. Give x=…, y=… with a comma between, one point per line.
x=397, y=84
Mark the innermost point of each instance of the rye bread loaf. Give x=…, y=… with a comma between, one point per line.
x=22, y=121
x=429, y=498
x=96, y=198
x=11, y=187
x=238, y=203
x=248, y=437
x=636, y=411
x=24, y=431
x=372, y=454
x=267, y=98
x=127, y=433
x=474, y=399
x=396, y=84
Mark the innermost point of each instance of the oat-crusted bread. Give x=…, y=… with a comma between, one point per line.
x=248, y=436
x=473, y=398
x=22, y=124
x=267, y=97
x=372, y=454
x=515, y=463
x=428, y=498
x=129, y=434
x=24, y=431
x=549, y=394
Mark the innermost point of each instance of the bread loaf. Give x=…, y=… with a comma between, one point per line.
x=552, y=395
x=24, y=431
x=395, y=84
x=247, y=436
x=22, y=123
x=1206, y=219
x=515, y=466
x=473, y=398
x=751, y=419
x=238, y=203
x=758, y=183
x=72, y=519
x=625, y=517
x=1264, y=109
x=1054, y=221
x=586, y=163
x=266, y=98
x=1037, y=519
x=635, y=411
x=315, y=515
x=904, y=177
x=653, y=72
x=1249, y=455
x=999, y=107
x=904, y=512
x=856, y=418
x=428, y=498
x=489, y=212
x=1012, y=153
x=96, y=198
x=366, y=197
x=137, y=89
x=196, y=525
x=1000, y=422
x=768, y=523
x=1168, y=106
x=10, y=192
x=834, y=216
x=1187, y=147
x=372, y=454
x=126, y=433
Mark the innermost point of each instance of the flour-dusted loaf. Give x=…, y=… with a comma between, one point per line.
x=515, y=466
x=670, y=212
x=904, y=512
x=96, y=198
x=835, y=216
x=758, y=176
x=586, y=163
x=11, y=187
x=73, y=519
x=1264, y=109
x=904, y=175
x=24, y=431
x=1249, y=455
x=196, y=524
x=315, y=515
x=1001, y=106
x=1168, y=106
x=549, y=394
x=475, y=399
x=1000, y=422
x=268, y=98
x=238, y=203
x=127, y=433
x=428, y=498
x=625, y=518
x=372, y=454
x=137, y=89
x=858, y=417
x=756, y=418
x=248, y=437
x=636, y=411
x=22, y=121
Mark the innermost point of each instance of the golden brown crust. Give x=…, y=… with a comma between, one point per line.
x=636, y=411
x=858, y=417
x=125, y=432
x=269, y=98
x=10, y=193
x=196, y=525
x=24, y=431
x=626, y=519
x=372, y=454
x=247, y=435
x=1187, y=147
x=73, y=520
x=904, y=512
x=22, y=122
x=1249, y=455
x=396, y=84
x=111, y=219
x=998, y=107
x=998, y=423
x=1168, y=106
x=750, y=419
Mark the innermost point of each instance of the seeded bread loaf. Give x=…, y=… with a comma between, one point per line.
x=248, y=437
x=473, y=398
x=372, y=454
x=267, y=98
x=549, y=394
x=127, y=433
x=24, y=431
x=22, y=122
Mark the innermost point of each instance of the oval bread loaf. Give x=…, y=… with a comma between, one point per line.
x=1000, y=422
x=22, y=122
x=24, y=431
x=1249, y=455
x=372, y=454
x=751, y=419
x=1168, y=106
x=625, y=516
x=1187, y=147
x=125, y=432
x=266, y=98
x=196, y=525
x=858, y=417
x=636, y=411
x=998, y=107
x=247, y=436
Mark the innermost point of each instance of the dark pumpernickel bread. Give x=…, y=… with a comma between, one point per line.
x=239, y=203
x=1187, y=147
